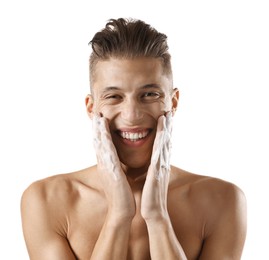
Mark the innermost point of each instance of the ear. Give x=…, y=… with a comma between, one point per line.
x=175, y=98
x=89, y=105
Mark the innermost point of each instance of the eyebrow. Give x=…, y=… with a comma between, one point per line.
x=147, y=86
x=151, y=86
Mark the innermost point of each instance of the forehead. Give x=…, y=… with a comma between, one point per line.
x=137, y=71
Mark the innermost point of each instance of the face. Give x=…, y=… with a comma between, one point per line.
x=132, y=94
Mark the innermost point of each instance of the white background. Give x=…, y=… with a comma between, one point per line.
x=221, y=66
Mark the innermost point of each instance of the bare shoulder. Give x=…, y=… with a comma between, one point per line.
x=220, y=193
x=212, y=197
x=216, y=210
x=206, y=187
x=48, y=206
x=56, y=192
x=50, y=189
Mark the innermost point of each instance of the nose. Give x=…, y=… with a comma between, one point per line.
x=132, y=112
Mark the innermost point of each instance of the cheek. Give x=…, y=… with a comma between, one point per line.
x=107, y=111
x=160, y=108
x=154, y=110
x=167, y=106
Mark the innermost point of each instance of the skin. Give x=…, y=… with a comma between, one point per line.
x=133, y=204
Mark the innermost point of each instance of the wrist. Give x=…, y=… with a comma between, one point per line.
x=160, y=225
x=155, y=215
x=119, y=219
x=157, y=219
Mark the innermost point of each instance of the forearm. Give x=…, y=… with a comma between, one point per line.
x=113, y=240
x=163, y=241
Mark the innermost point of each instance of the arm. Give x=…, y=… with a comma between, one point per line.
x=45, y=229
x=114, y=237
x=44, y=240
x=163, y=241
x=226, y=230
x=113, y=240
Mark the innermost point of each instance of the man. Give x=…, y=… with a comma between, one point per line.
x=132, y=204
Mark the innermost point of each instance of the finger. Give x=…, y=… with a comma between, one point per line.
x=106, y=138
x=169, y=126
x=157, y=153
x=96, y=133
x=108, y=156
x=166, y=152
x=169, y=122
x=158, y=140
x=160, y=160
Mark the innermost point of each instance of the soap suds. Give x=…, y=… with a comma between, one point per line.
x=162, y=147
x=107, y=157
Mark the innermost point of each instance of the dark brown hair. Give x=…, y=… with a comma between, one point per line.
x=129, y=38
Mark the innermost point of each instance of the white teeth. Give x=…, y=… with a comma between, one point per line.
x=134, y=136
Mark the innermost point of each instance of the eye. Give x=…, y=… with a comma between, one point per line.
x=112, y=97
x=151, y=95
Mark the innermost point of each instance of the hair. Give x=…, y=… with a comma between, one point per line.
x=128, y=39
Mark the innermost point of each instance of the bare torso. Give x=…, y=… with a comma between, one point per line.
x=78, y=209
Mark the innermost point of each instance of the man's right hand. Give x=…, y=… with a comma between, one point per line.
x=120, y=199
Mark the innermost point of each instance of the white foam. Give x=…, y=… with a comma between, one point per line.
x=162, y=147
x=107, y=157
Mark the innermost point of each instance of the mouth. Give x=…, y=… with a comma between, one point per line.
x=134, y=136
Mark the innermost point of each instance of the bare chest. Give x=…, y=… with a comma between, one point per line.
x=84, y=232
x=84, y=235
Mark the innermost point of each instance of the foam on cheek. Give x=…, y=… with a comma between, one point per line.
x=107, y=157
x=161, y=153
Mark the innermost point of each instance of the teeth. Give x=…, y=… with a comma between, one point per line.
x=134, y=136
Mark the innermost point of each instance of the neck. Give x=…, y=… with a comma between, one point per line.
x=135, y=174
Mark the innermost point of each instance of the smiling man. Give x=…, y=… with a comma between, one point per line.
x=133, y=204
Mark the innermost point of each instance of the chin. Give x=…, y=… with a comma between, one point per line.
x=135, y=162
x=134, y=154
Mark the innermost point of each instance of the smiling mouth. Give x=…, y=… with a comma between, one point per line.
x=134, y=136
